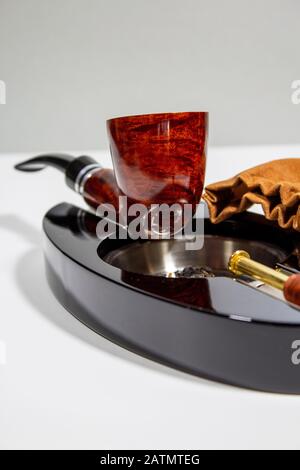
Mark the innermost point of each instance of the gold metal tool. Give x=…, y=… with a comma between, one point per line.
x=240, y=263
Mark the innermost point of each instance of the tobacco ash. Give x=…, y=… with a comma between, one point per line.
x=191, y=272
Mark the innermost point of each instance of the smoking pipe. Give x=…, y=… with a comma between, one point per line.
x=83, y=174
x=157, y=158
x=240, y=263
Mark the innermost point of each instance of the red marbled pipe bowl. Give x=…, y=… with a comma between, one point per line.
x=159, y=158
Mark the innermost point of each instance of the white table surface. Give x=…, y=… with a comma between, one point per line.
x=63, y=386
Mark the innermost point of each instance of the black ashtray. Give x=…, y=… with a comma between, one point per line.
x=182, y=307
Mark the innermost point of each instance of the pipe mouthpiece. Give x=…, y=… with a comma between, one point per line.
x=29, y=166
x=73, y=168
x=57, y=160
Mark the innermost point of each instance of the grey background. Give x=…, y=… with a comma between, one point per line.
x=70, y=64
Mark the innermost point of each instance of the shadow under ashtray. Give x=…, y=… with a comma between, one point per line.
x=44, y=302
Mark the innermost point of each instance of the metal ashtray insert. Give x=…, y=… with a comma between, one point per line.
x=170, y=258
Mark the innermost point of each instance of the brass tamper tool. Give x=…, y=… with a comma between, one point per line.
x=240, y=263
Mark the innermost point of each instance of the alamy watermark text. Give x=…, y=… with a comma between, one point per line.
x=2, y=92
x=295, y=96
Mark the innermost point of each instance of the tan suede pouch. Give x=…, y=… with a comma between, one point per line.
x=275, y=185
